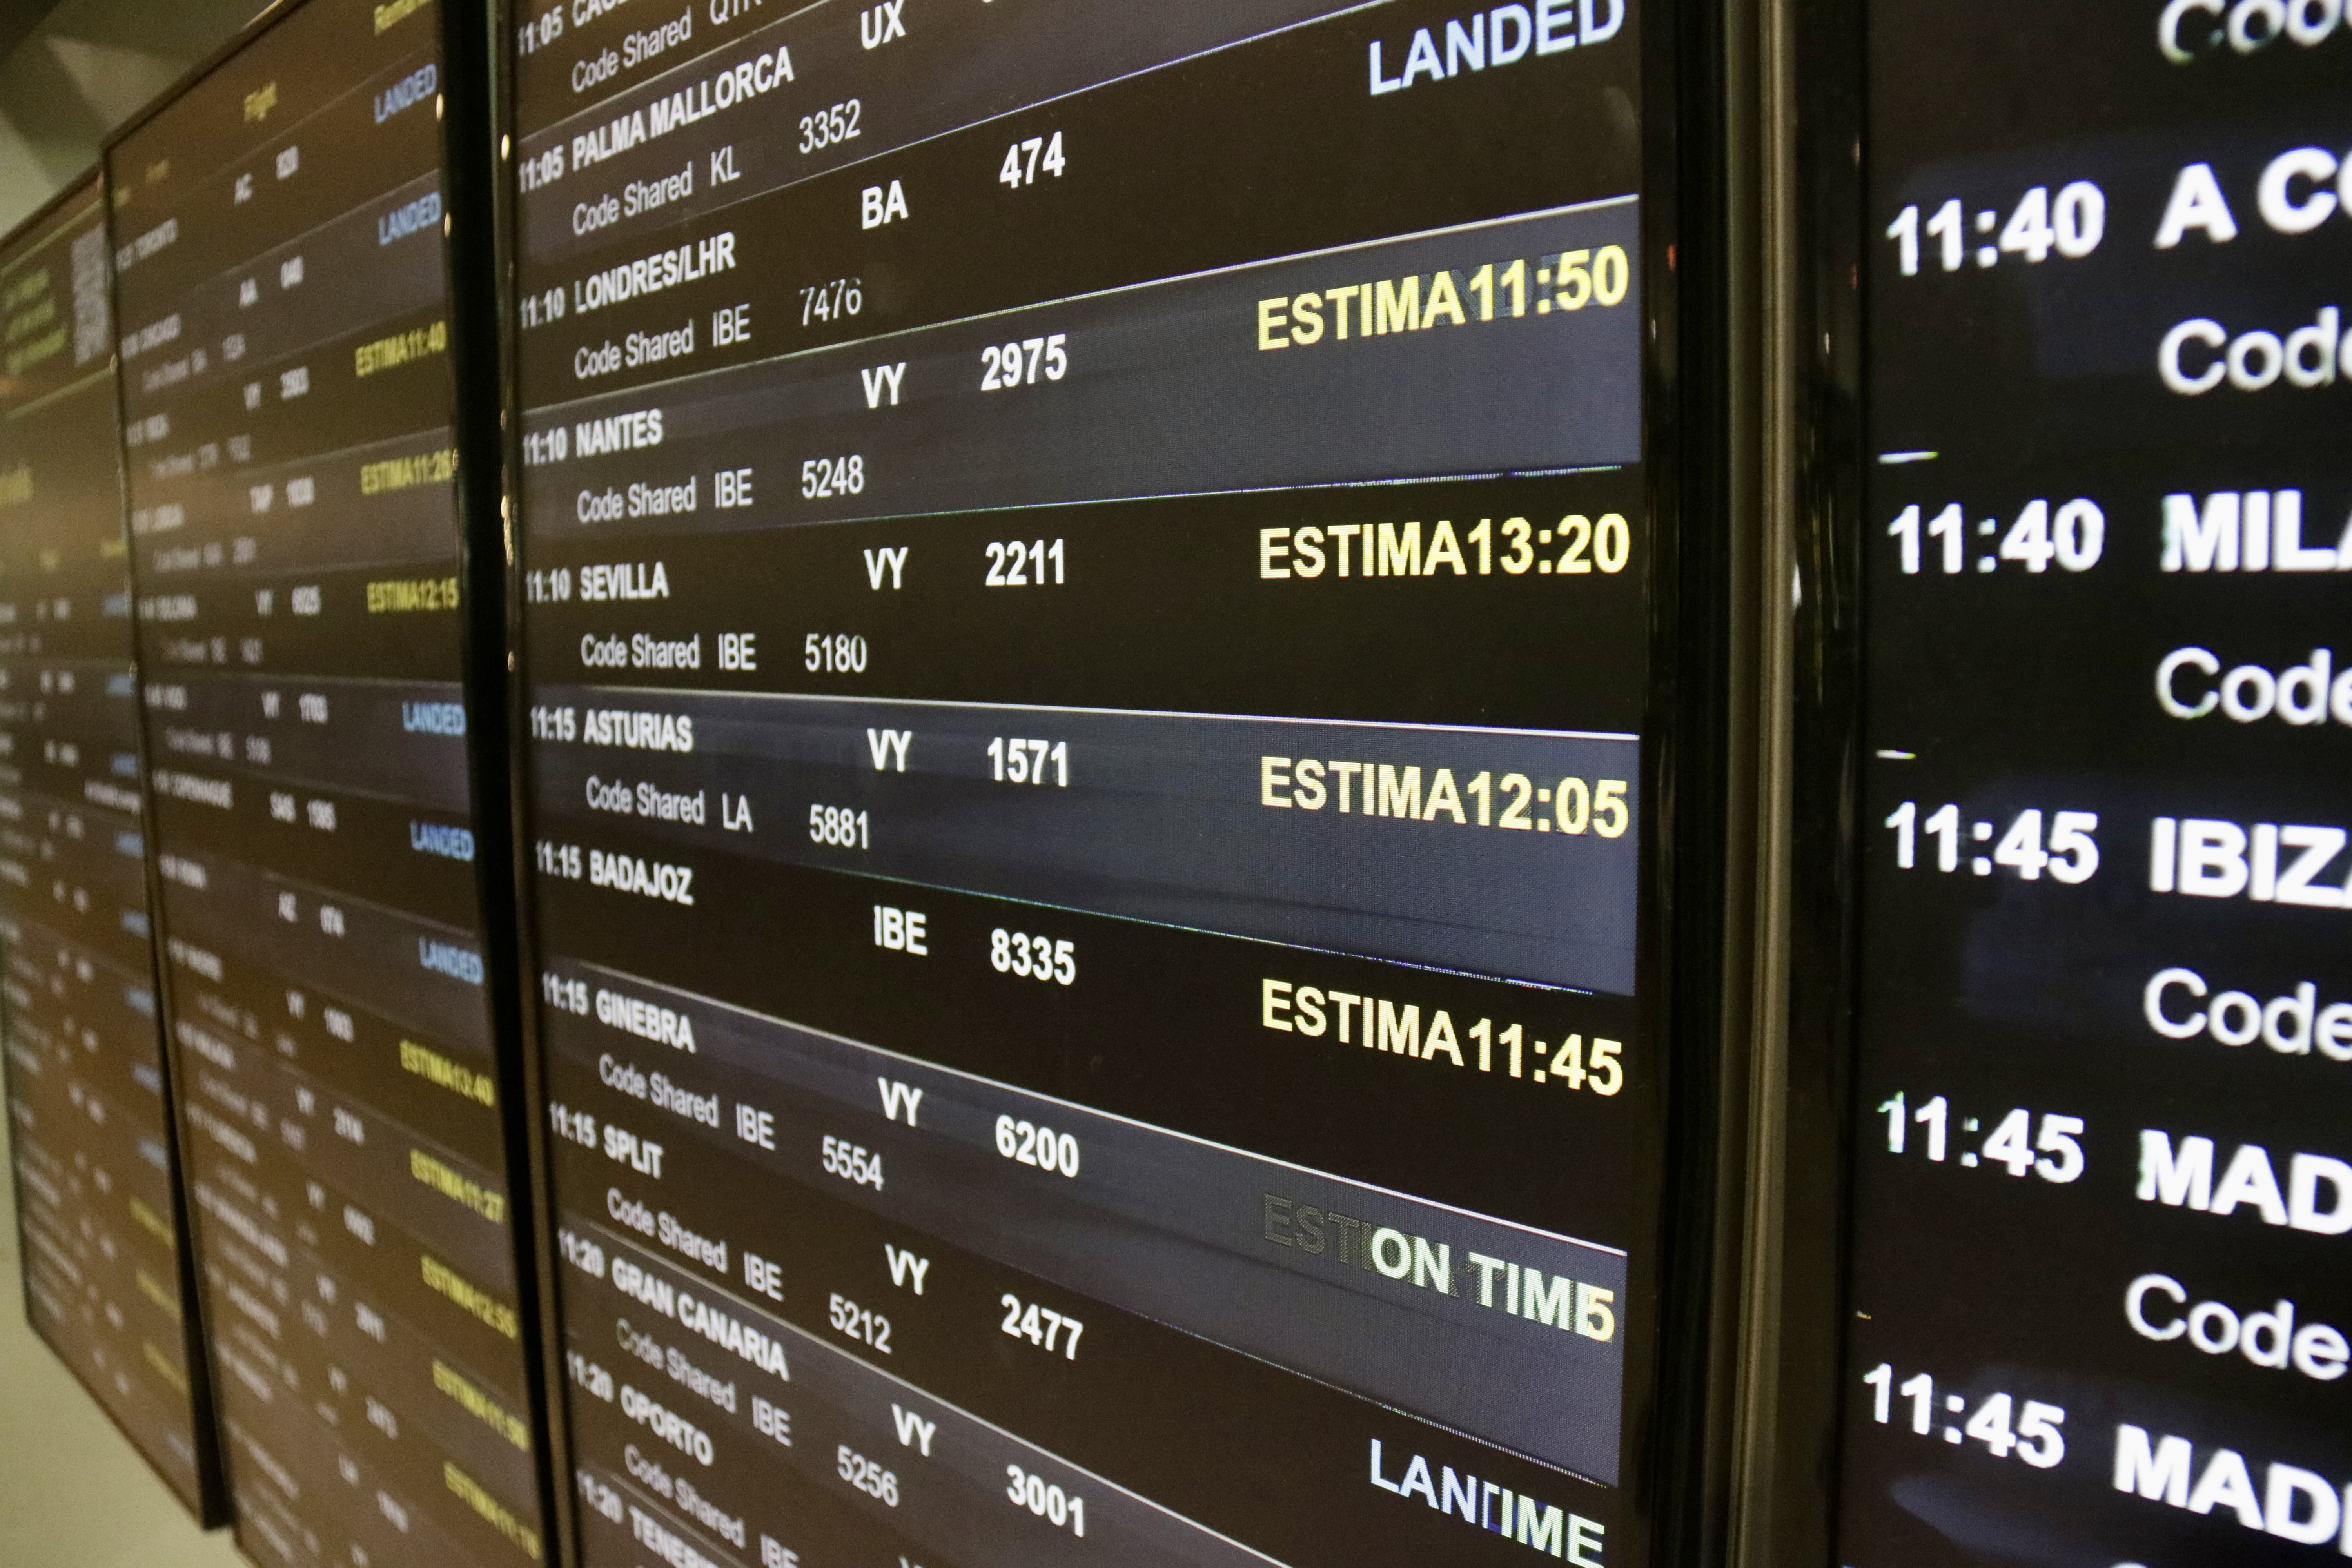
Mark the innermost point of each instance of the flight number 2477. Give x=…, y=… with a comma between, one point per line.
x=1041, y=1326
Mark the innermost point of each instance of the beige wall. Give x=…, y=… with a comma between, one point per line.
x=70, y=73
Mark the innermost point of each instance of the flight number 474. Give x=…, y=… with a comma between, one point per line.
x=1025, y=157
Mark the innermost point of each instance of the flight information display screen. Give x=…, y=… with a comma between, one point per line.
x=294, y=540
x=2101, y=1289
x=101, y=1234
x=1088, y=639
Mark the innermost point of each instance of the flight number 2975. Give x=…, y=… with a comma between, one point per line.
x=1003, y=368
x=1014, y=564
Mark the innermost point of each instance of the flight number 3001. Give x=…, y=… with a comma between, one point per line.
x=1041, y=1326
x=1021, y=161
x=1045, y=1499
